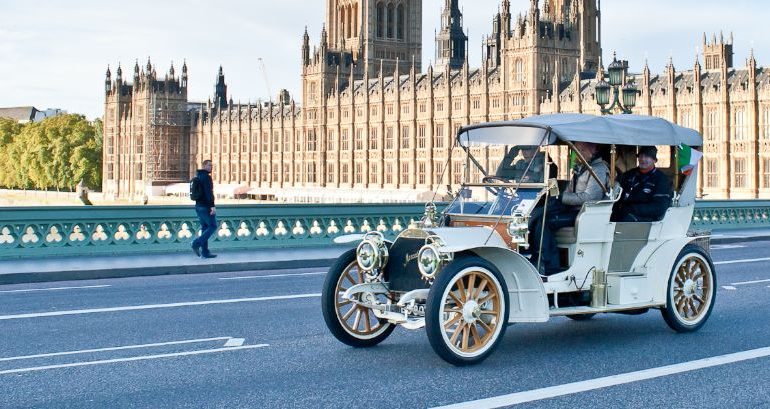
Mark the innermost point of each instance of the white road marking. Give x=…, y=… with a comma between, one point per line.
x=751, y=282
x=727, y=246
x=234, y=342
x=132, y=359
x=614, y=380
x=748, y=260
x=317, y=273
x=153, y=306
x=729, y=287
x=88, y=351
x=29, y=290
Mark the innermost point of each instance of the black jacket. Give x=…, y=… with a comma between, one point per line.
x=207, y=200
x=645, y=196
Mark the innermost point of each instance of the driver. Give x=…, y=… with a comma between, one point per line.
x=514, y=164
x=563, y=212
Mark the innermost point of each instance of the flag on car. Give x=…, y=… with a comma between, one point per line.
x=688, y=158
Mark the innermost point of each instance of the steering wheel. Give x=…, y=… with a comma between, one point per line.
x=490, y=179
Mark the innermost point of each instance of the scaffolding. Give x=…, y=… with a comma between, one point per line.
x=167, y=143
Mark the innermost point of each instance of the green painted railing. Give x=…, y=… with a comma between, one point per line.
x=56, y=231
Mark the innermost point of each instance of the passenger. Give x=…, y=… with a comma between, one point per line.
x=646, y=190
x=562, y=211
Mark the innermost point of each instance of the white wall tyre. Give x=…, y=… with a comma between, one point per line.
x=691, y=292
x=351, y=324
x=467, y=311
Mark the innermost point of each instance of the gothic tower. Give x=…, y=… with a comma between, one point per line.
x=374, y=30
x=718, y=53
x=146, y=131
x=451, y=41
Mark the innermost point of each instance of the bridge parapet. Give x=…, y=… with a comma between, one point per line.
x=72, y=231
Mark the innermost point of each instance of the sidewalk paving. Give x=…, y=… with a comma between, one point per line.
x=86, y=268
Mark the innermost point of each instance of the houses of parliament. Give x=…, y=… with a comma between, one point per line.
x=372, y=123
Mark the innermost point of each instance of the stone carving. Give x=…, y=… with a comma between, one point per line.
x=143, y=234
x=262, y=231
x=53, y=235
x=99, y=234
x=164, y=233
x=5, y=236
x=77, y=234
x=184, y=232
x=224, y=230
x=244, y=231
x=122, y=234
x=30, y=236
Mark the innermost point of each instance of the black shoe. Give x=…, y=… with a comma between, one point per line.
x=208, y=255
x=196, y=249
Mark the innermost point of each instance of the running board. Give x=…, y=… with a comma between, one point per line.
x=555, y=312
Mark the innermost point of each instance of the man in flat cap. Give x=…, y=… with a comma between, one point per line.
x=646, y=190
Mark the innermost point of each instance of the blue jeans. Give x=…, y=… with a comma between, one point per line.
x=208, y=228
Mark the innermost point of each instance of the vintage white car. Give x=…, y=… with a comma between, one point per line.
x=461, y=273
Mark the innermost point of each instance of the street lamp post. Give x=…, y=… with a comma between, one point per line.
x=623, y=96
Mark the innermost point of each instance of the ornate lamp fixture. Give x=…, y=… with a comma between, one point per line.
x=623, y=96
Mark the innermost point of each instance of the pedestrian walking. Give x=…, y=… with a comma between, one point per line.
x=202, y=191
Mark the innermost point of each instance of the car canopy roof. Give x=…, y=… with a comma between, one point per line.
x=609, y=130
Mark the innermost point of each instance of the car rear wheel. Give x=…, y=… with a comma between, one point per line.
x=467, y=311
x=350, y=323
x=691, y=290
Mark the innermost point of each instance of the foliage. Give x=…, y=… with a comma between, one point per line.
x=56, y=153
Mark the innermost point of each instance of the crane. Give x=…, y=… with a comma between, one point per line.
x=264, y=76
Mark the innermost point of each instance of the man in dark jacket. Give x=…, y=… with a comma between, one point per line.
x=646, y=190
x=206, y=211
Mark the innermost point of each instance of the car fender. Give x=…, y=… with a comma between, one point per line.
x=660, y=263
x=527, y=299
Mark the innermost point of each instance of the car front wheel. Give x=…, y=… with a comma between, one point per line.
x=467, y=311
x=350, y=323
x=691, y=290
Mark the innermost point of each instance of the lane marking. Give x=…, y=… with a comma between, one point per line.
x=751, y=282
x=88, y=351
x=727, y=246
x=729, y=287
x=614, y=380
x=132, y=359
x=234, y=342
x=29, y=290
x=154, y=306
x=748, y=260
x=317, y=273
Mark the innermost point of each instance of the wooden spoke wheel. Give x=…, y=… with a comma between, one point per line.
x=467, y=311
x=691, y=290
x=350, y=323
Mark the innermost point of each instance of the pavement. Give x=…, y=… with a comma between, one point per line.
x=258, y=340
x=21, y=271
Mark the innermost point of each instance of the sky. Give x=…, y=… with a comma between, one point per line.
x=54, y=54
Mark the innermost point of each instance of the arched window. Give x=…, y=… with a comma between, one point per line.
x=740, y=124
x=380, y=20
x=348, y=22
x=400, y=22
x=518, y=70
x=391, y=19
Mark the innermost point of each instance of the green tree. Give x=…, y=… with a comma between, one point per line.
x=57, y=152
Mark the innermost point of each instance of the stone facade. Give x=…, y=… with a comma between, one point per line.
x=371, y=121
